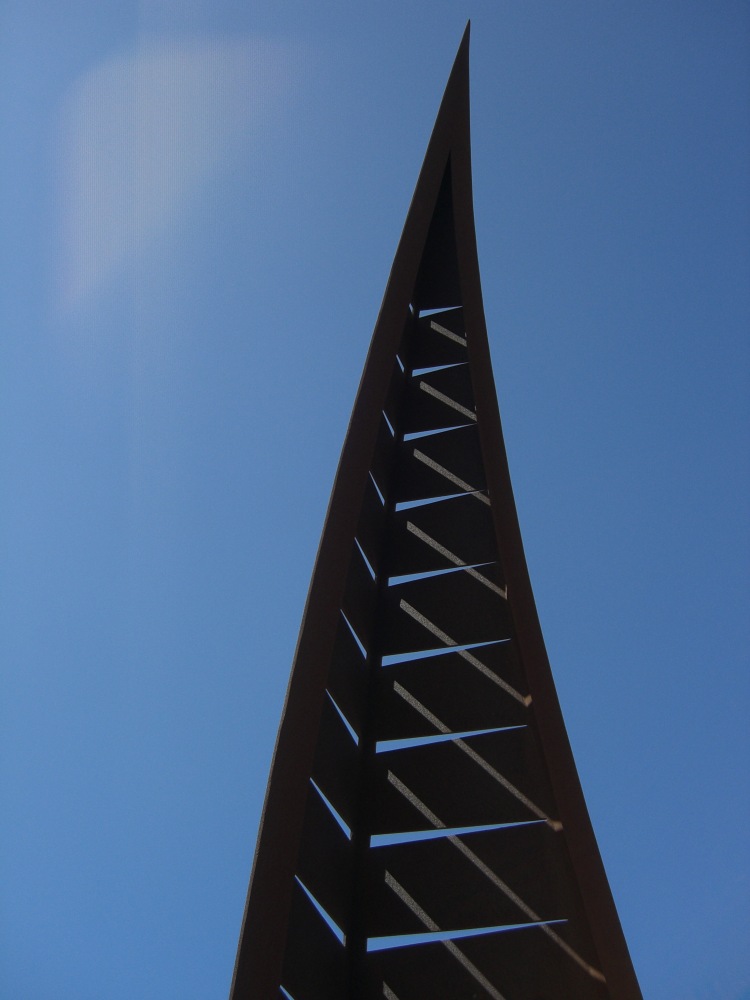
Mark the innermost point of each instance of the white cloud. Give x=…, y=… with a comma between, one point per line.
x=143, y=130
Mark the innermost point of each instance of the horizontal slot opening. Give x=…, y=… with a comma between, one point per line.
x=432, y=312
x=450, y=364
x=434, y=368
x=408, y=504
x=408, y=743
x=393, y=658
x=427, y=937
x=395, y=581
x=388, y=424
x=414, y=836
x=416, y=435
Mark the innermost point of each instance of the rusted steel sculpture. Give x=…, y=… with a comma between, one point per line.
x=424, y=833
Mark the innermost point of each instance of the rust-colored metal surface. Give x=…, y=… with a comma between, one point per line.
x=424, y=833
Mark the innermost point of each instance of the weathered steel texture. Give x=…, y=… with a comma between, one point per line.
x=420, y=627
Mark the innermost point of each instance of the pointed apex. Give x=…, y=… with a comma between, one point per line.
x=454, y=106
x=430, y=224
x=461, y=62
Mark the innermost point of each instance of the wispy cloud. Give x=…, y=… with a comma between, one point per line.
x=141, y=131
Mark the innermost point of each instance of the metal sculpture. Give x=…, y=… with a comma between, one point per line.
x=424, y=833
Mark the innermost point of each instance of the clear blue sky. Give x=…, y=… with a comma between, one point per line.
x=200, y=204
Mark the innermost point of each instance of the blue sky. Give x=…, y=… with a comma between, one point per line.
x=200, y=205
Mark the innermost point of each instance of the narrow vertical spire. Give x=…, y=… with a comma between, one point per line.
x=424, y=831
